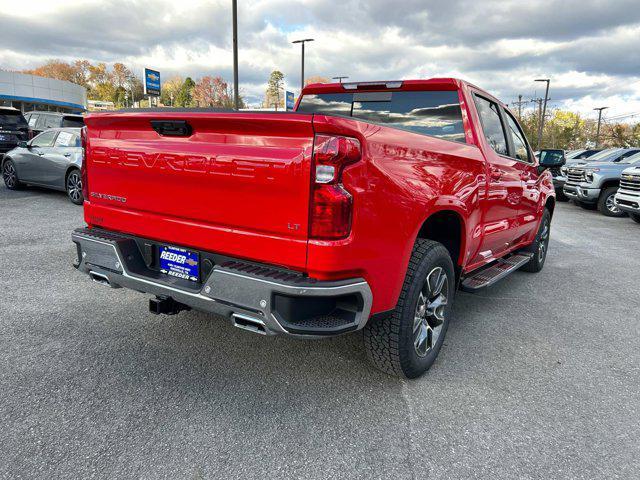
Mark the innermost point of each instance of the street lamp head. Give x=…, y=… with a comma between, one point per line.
x=303, y=40
x=542, y=80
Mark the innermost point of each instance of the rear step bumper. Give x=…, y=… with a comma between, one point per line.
x=255, y=298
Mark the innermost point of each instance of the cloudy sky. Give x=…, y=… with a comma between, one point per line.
x=589, y=48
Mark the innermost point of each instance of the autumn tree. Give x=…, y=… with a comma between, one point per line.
x=54, y=69
x=274, y=96
x=121, y=75
x=170, y=90
x=81, y=72
x=212, y=92
x=98, y=74
x=184, y=97
x=316, y=79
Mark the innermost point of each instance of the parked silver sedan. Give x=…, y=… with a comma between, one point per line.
x=52, y=159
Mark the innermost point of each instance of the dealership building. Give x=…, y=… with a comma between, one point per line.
x=30, y=92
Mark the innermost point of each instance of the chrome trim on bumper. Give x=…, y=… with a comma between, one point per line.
x=224, y=292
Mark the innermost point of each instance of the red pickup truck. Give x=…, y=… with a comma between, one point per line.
x=365, y=209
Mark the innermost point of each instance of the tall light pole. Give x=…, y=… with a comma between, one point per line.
x=599, y=109
x=236, y=96
x=544, y=109
x=339, y=78
x=302, y=42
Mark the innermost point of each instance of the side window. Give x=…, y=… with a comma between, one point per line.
x=41, y=124
x=519, y=143
x=51, y=121
x=627, y=154
x=45, y=139
x=66, y=139
x=492, y=125
x=32, y=120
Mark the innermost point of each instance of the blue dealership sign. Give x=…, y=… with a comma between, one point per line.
x=290, y=100
x=151, y=82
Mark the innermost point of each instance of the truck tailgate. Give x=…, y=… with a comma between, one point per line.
x=236, y=183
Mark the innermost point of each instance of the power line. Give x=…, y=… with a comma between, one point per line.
x=625, y=115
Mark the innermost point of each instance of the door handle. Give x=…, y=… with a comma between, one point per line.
x=40, y=154
x=67, y=155
x=496, y=174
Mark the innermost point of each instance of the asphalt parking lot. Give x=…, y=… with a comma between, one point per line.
x=539, y=376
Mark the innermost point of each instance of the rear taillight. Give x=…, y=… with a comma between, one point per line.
x=30, y=133
x=331, y=208
x=83, y=168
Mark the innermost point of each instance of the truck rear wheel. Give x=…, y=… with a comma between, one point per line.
x=407, y=342
x=607, y=205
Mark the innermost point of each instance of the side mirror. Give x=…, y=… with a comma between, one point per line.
x=23, y=144
x=551, y=159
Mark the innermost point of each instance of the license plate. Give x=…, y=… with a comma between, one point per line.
x=180, y=263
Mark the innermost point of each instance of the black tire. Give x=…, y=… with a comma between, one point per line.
x=389, y=341
x=540, y=246
x=560, y=196
x=635, y=217
x=587, y=206
x=606, y=206
x=10, y=175
x=73, y=185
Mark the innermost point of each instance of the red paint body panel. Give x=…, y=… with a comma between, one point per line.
x=240, y=186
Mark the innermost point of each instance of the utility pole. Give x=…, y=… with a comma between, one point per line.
x=544, y=109
x=539, y=102
x=339, y=78
x=302, y=42
x=599, y=109
x=236, y=96
x=519, y=103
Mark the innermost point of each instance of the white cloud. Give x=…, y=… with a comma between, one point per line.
x=587, y=47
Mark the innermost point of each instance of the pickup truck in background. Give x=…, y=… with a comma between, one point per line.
x=627, y=198
x=596, y=183
x=365, y=209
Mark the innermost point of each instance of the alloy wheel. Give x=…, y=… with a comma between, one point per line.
x=9, y=175
x=543, y=242
x=611, y=204
x=74, y=186
x=430, y=310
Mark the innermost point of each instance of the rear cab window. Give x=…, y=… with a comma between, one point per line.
x=73, y=122
x=436, y=113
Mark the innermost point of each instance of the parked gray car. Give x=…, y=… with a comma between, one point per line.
x=52, y=159
x=628, y=197
x=596, y=183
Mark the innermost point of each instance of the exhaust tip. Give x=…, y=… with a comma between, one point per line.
x=249, y=323
x=100, y=278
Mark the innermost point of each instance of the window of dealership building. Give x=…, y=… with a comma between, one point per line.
x=30, y=92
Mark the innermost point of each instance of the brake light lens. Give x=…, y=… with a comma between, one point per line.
x=331, y=208
x=83, y=167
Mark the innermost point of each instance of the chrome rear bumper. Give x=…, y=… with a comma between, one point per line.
x=256, y=298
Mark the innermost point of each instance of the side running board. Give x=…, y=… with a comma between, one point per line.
x=496, y=271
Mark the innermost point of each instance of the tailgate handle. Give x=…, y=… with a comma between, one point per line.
x=172, y=128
